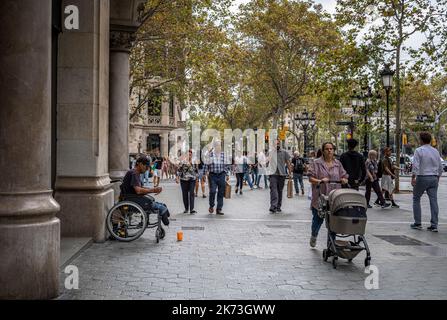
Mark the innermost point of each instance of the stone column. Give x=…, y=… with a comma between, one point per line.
x=164, y=144
x=29, y=230
x=120, y=44
x=83, y=186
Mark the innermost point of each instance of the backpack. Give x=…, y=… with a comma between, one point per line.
x=299, y=165
x=380, y=169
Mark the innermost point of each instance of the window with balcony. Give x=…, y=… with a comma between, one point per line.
x=154, y=103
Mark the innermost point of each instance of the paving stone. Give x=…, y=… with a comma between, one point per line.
x=231, y=259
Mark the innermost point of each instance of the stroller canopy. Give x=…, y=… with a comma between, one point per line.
x=344, y=198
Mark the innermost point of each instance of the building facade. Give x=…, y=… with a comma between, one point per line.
x=63, y=130
x=150, y=127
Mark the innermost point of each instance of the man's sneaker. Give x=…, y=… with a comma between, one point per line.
x=377, y=204
x=278, y=210
x=394, y=205
x=165, y=220
x=432, y=229
x=193, y=212
x=385, y=205
x=211, y=210
x=219, y=212
x=272, y=210
x=313, y=241
x=416, y=226
x=236, y=191
x=369, y=206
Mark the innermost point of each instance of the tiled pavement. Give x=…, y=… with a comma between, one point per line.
x=251, y=254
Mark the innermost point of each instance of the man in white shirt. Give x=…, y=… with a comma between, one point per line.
x=427, y=169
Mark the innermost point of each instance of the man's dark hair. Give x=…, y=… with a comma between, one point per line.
x=425, y=137
x=144, y=160
x=352, y=143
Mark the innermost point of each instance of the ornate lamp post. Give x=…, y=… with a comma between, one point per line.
x=306, y=121
x=387, y=81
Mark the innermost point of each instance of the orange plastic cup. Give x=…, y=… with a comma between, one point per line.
x=180, y=236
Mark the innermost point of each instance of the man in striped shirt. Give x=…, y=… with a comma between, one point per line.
x=218, y=169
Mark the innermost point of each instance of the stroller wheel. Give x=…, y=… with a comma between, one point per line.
x=334, y=262
x=325, y=255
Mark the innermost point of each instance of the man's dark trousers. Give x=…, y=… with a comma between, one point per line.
x=276, y=188
x=217, y=183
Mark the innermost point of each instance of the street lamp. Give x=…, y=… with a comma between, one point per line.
x=354, y=104
x=387, y=81
x=366, y=102
x=306, y=121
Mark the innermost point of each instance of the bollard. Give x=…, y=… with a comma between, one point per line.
x=179, y=235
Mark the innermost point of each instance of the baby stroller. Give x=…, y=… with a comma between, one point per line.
x=345, y=213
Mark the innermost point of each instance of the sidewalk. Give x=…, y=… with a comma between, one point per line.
x=251, y=254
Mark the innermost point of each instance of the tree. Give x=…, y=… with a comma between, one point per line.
x=387, y=26
x=287, y=44
x=175, y=40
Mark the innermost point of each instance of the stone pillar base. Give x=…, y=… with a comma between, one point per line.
x=84, y=203
x=29, y=267
x=29, y=246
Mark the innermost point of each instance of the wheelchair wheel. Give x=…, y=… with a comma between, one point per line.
x=126, y=221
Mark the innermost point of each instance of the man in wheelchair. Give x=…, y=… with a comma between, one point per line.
x=132, y=190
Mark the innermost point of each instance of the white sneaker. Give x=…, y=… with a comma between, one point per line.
x=313, y=241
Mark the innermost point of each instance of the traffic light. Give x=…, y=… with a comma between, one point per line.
x=434, y=143
x=282, y=135
x=404, y=139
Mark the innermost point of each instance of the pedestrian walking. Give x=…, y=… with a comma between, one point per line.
x=254, y=172
x=388, y=175
x=277, y=169
x=187, y=175
x=239, y=172
x=372, y=180
x=247, y=171
x=164, y=168
x=201, y=180
x=354, y=164
x=298, y=170
x=427, y=170
x=218, y=169
x=321, y=171
x=262, y=170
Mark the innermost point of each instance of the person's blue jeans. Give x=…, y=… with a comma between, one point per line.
x=266, y=185
x=429, y=184
x=248, y=179
x=298, y=177
x=217, y=185
x=254, y=176
x=316, y=222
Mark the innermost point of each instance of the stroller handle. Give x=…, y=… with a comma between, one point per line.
x=332, y=182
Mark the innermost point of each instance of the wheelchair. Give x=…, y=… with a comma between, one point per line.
x=126, y=221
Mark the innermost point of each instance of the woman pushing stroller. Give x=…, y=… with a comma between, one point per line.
x=321, y=171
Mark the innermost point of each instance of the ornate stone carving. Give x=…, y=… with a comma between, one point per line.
x=121, y=40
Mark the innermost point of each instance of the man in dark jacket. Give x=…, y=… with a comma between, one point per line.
x=354, y=164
